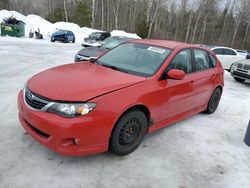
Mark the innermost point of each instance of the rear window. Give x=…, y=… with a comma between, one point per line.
x=213, y=60
x=202, y=61
x=229, y=52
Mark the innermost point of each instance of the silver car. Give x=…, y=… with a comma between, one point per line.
x=240, y=70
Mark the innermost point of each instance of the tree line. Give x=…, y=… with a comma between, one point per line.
x=212, y=22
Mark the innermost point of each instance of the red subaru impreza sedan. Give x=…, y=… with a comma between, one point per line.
x=111, y=103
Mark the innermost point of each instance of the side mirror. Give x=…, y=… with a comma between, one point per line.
x=92, y=60
x=176, y=74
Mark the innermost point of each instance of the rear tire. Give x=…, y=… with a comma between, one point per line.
x=128, y=132
x=239, y=79
x=214, y=101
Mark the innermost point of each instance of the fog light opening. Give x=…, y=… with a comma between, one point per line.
x=76, y=141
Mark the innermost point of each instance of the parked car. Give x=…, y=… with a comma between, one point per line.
x=248, y=55
x=241, y=70
x=95, y=39
x=111, y=103
x=86, y=54
x=227, y=56
x=63, y=36
x=243, y=52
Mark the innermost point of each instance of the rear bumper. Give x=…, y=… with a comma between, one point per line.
x=66, y=136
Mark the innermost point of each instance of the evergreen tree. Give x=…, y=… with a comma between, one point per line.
x=82, y=13
x=56, y=15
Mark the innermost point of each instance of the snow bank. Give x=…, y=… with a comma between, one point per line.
x=6, y=14
x=124, y=34
x=33, y=22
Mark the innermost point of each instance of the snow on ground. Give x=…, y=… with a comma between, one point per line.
x=203, y=151
x=33, y=22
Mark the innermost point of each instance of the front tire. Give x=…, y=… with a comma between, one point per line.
x=239, y=79
x=214, y=101
x=128, y=132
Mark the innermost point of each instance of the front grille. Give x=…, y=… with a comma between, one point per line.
x=236, y=73
x=246, y=67
x=34, y=100
x=240, y=65
x=39, y=132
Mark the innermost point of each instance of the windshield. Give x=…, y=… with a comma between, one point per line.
x=111, y=43
x=61, y=32
x=135, y=58
x=95, y=35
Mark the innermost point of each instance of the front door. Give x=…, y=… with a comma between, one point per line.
x=176, y=96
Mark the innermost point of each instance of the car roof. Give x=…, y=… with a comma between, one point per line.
x=163, y=43
x=60, y=30
x=216, y=47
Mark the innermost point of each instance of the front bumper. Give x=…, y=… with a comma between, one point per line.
x=91, y=44
x=240, y=74
x=79, y=58
x=67, y=136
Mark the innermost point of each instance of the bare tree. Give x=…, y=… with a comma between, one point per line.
x=236, y=27
x=93, y=14
x=102, y=27
x=182, y=11
x=157, y=5
x=246, y=10
x=65, y=11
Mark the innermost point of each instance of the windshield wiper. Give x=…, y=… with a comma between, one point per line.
x=114, y=68
x=96, y=61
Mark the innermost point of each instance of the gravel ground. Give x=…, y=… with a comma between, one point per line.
x=202, y=151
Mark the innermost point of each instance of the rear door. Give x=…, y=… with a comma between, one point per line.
x=204, y=75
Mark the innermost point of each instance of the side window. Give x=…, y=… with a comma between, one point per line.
x=229, y=52
x=213, y=60
x=218, y=51
x=182, y=61
x=202, y=61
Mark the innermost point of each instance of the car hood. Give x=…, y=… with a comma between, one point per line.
x=92, y=51
x=80, y=82
x=246, y=61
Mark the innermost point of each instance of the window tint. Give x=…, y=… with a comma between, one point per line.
x=229, y=52
x=213, y=60
x=218, y=51
x=202, y=61
x=182, y=61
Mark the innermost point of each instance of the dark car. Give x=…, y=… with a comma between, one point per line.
x=93, y=52
x=95, y=39
x=248, y=55
x=63, y=36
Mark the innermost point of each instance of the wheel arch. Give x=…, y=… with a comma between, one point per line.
x=220, y=87
x=140, y=107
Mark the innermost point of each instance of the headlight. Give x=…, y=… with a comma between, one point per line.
x=71, y=109
x=233, y=67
